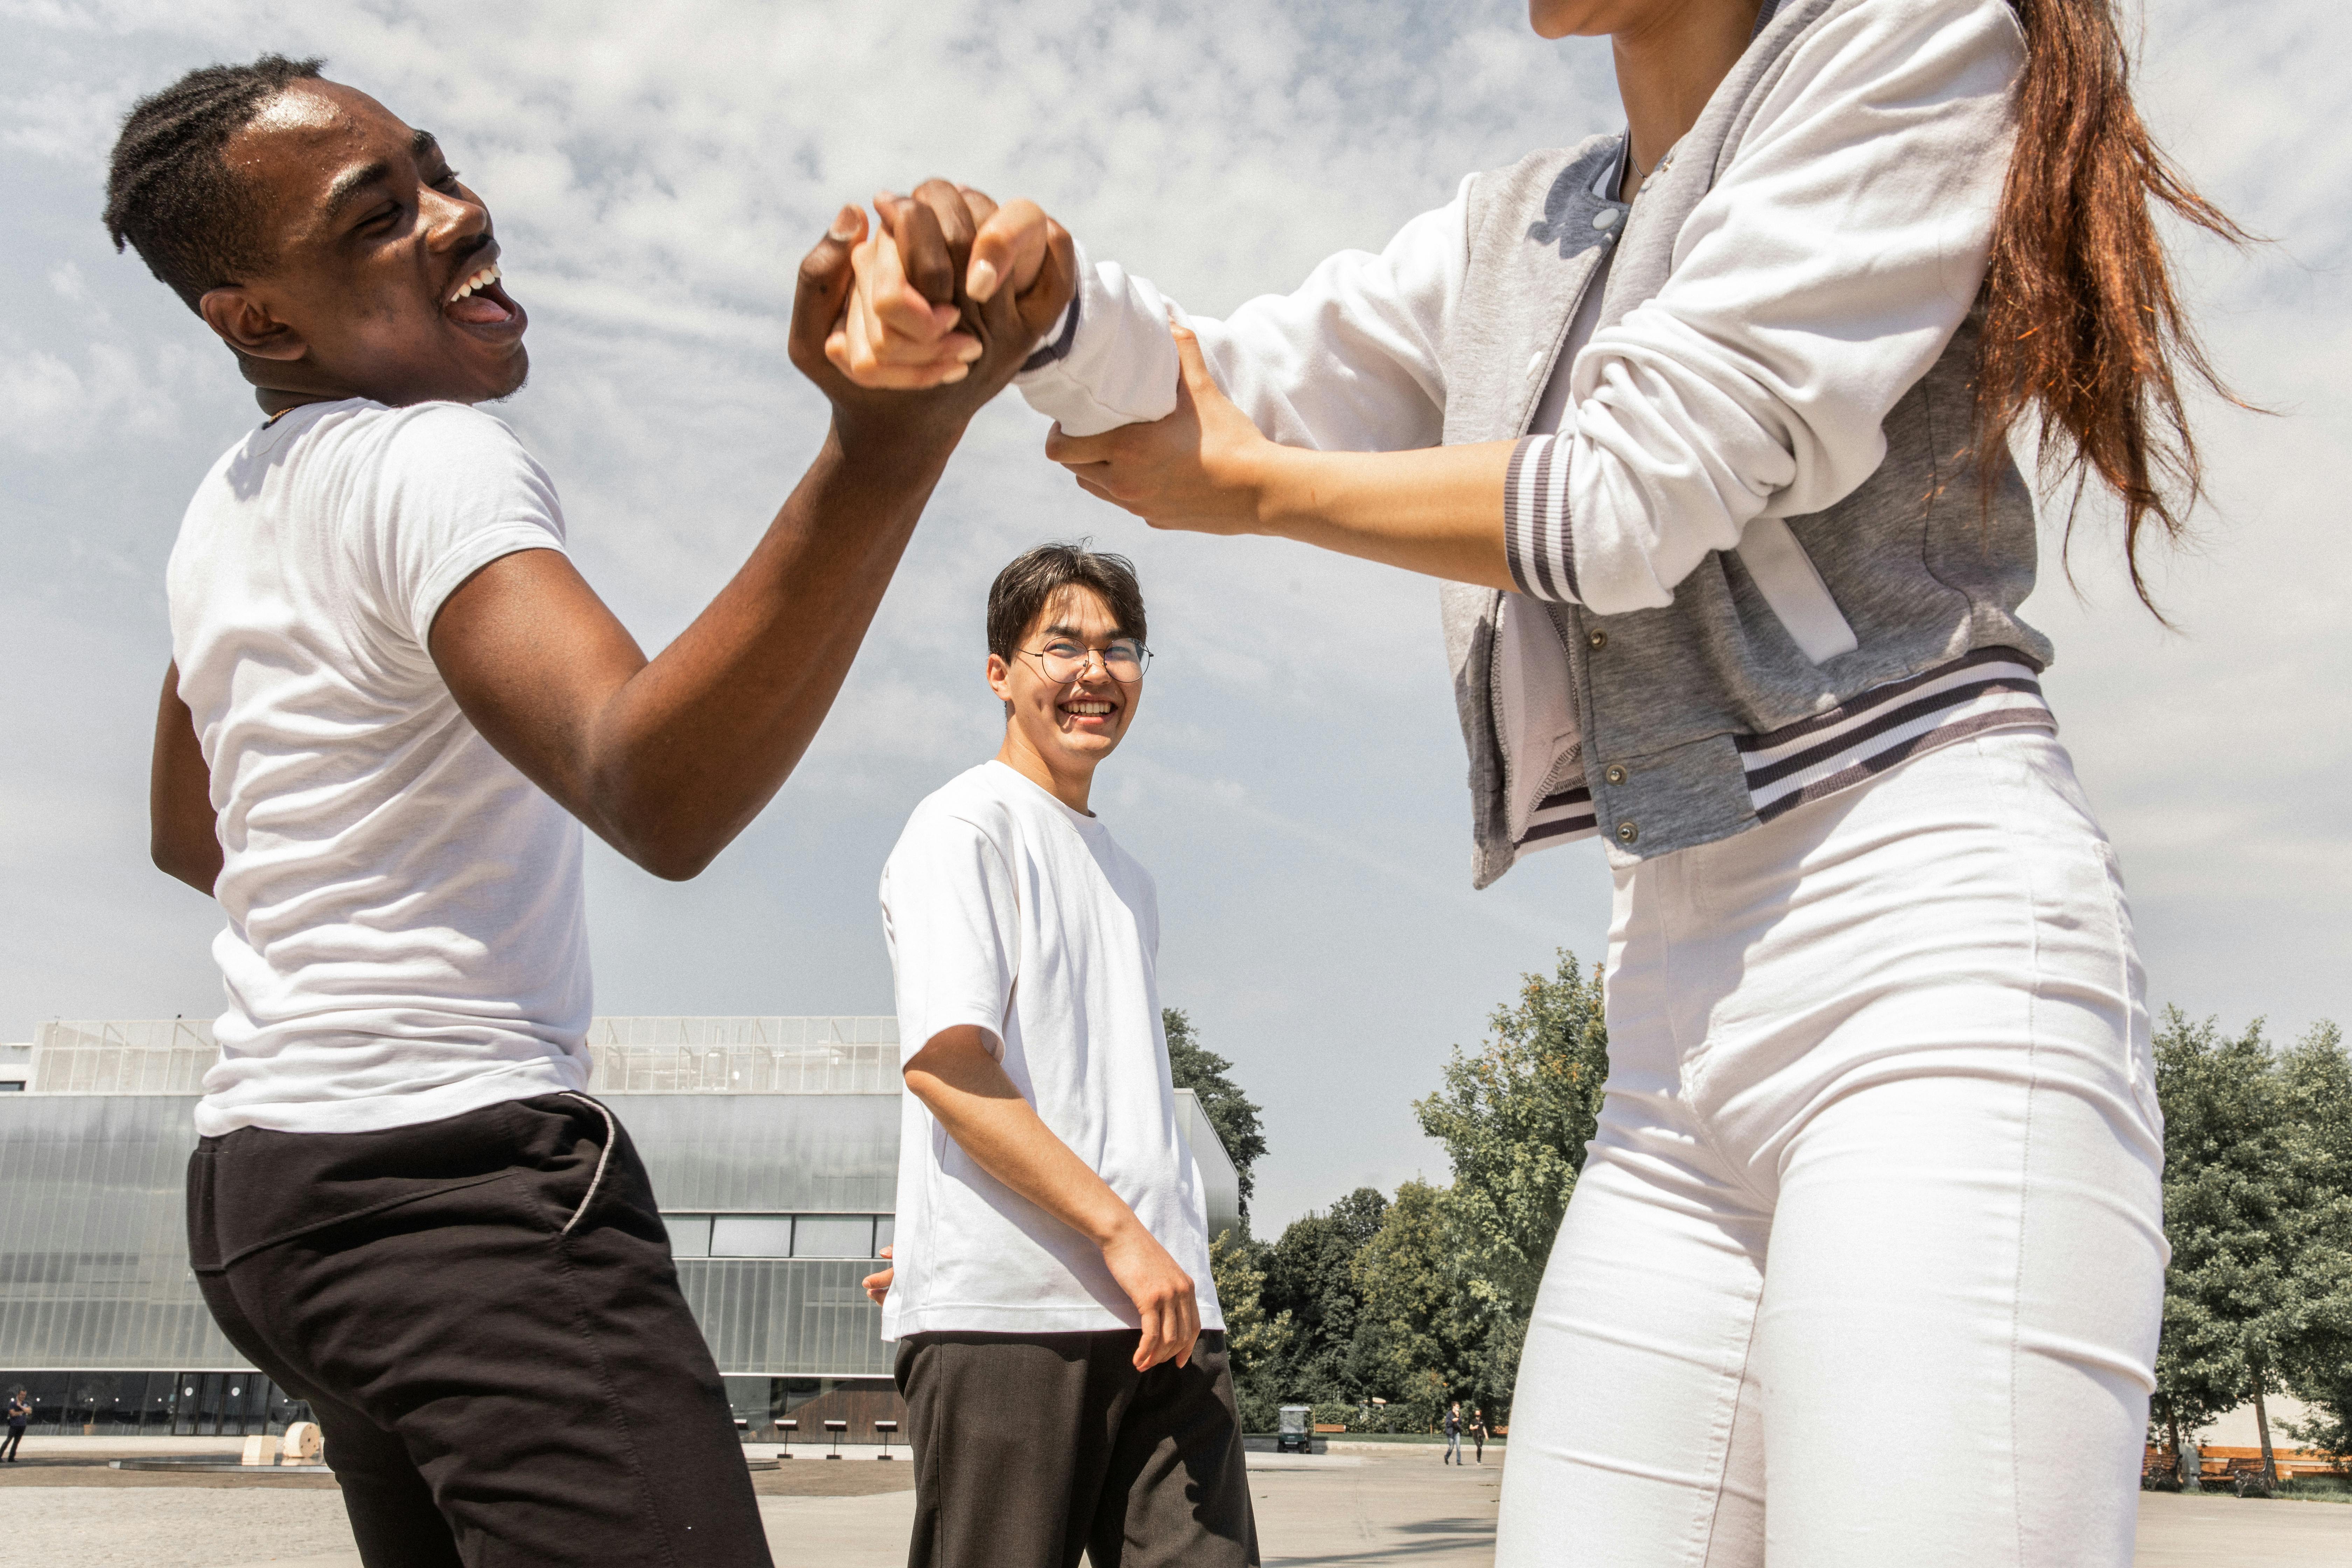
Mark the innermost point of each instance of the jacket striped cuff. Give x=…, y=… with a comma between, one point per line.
x=1536, y=536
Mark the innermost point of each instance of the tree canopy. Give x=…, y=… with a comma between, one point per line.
x=2258, y=1298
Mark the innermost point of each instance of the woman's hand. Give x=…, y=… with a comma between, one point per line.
x=1204, y=468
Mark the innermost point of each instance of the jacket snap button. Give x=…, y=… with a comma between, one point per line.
x=1605, y=219
x=1627, y=832
x=1615, y=774
x=1596, y=639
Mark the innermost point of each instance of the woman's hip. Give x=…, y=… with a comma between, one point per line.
x=1962, y=915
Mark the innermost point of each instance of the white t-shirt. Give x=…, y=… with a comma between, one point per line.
x=1007, y=911
x=405, y=939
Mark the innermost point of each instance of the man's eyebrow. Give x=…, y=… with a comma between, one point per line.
x=1078, y=633
x=422, y=144
x=350, y=183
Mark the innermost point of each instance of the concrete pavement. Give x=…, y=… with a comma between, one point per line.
x=1350, y=1508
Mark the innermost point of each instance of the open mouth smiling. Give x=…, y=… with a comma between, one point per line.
x=480, y=302
x=1087, y=709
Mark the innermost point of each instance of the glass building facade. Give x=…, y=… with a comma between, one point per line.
x=772, y=1145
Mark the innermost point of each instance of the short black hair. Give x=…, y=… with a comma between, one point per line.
x=172, y=196
x=1026, y=587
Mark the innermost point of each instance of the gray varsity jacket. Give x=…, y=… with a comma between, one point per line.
x=1671, y=703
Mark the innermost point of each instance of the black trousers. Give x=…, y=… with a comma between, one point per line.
x=9, y=1444
x=1029, y=1449
x=483, y=1314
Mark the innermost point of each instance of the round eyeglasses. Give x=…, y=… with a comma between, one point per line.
x=1062, y=661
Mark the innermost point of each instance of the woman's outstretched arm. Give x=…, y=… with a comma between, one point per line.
x=1205, y=468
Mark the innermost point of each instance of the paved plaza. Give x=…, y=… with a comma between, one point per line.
x=1362, y=1508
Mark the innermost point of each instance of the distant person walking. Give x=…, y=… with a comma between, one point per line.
x=19, y=1412
x=1479, y=1433
x=1452, y=1455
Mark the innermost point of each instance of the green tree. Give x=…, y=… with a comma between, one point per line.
x=1254, y=1343
x=1515, y=1117
x=2255, y=1281
x=1310, y=1277
x=2318, y=1370
x=1232, y=1113
x=1411, y=1326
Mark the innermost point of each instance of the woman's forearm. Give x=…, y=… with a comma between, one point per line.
x=1437, y=510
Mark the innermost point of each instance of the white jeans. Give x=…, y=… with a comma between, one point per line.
x=1865, y=1267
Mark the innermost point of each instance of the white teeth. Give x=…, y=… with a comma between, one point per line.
x=1087, y=709
x=482, y=279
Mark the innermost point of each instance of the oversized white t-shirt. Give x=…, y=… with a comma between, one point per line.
x=1007, y=911
x=406, y=939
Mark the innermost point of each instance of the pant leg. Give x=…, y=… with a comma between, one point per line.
x=9, y=1446
x=1923, y=1042
x=1635, y=1431
x=1176, y=1494
x=1634, y=1428
x=1012, y=1436
x=521, y=1336
x=395, y=1523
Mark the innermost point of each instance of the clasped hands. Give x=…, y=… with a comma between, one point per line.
x=912, y=322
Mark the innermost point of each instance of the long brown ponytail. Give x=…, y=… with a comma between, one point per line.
x=2082, y=320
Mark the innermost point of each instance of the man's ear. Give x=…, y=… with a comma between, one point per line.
x=1000, y=679
x=246, y=326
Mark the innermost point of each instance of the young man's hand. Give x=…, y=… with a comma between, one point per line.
x=1163, y=1293
x=946, y=246
x=877, y=1284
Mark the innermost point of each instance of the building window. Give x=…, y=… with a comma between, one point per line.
x=752, y=1236
x=857, y=1235
x=689, y=1234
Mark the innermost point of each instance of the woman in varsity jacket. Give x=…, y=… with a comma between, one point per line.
x=1704, y=429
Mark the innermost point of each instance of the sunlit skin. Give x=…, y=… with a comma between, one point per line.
x=1205, y=468
x=1056, y=738
x=370, y=235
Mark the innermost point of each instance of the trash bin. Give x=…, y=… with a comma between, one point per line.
x=1295, y=1433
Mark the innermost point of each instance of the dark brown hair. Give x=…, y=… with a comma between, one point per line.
x=169, y=193
x=1023, y=589
x=2081, y=323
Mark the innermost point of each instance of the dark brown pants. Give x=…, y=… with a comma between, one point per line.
x=483, y=1314
x=1029, y=1449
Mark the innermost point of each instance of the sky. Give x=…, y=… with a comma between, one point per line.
x=1295, y=777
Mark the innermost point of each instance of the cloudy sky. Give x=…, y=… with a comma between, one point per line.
x=1295, y=778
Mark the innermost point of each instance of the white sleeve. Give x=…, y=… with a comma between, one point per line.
x=1811, y=290
x=453, y=491
x=949, y=911
x=1347, y=361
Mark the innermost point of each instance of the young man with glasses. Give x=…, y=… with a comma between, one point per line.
x=1060, y=1347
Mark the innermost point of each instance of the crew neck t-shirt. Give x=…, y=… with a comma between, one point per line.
x=1007, y=911
x=406, y=939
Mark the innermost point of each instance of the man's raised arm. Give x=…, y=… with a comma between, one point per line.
x=668, y=759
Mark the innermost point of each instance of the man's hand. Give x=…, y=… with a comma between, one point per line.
x=957, y=1077
x=877, y=1285
x=1164, y=1295
x=899, y=331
